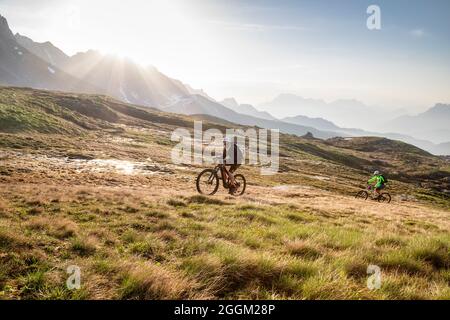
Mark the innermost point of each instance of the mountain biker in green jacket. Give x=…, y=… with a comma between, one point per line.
x=379, y=181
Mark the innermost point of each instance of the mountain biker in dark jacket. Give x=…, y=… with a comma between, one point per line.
x=232, y=156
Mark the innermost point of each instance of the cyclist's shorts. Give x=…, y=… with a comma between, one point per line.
x=379, y=186
x=233, y=166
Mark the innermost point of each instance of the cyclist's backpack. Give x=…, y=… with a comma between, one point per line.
x=384, y=179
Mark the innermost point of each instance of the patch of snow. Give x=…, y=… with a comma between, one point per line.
x=49, y=56
x=19, y=53
x=51, y=70
x=184, y=101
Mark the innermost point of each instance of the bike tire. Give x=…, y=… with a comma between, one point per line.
x=384, y=197
x=244, y=184
x=362, y=194
x=215, y=181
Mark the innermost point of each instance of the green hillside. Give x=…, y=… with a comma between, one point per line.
x=86, y=180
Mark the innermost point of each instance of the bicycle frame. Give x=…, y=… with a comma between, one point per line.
x=222, y=169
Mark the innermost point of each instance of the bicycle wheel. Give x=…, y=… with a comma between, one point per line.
x=362, y=194
x=207, y=182
x=384, y=197
x=242, y=184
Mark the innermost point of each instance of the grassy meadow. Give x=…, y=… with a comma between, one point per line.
x=99, y=191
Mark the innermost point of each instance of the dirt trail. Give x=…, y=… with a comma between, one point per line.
x=322, y=202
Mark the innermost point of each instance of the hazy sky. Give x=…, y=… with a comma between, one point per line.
x=254, y=50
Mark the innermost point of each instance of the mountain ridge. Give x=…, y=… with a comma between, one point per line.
x=323, y=124
x=247, y=109
x=45, y=50
x=198, y=104
x=20, y=67
x=343, y=112
x=92, y=72
x=431, y=124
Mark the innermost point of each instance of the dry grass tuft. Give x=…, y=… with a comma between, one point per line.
x=149, y=281
x=83, y=246
x=157, y=214
x=205, y=200
x=10, y=239
x=59, y=228
x=35, y=211
x=434, y=253
x=356, y=269
x=402, y=263
x=149, y=248
x=303, y=249
x=63, y=229
x=176, y=203
x=4, y=208
x=232, y=270
x=390, y=242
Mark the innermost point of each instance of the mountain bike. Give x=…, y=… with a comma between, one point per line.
x=208, y=181
x=383, y=197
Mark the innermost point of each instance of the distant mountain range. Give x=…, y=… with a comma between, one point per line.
x=344, y=112
x=422, y=129
x=121, y=79
x=26, y=63
x=21, y=67
x=433, y=124
x=198, y=104
x=322, y=124
x=318, y=123
x=246, y=109
x=117, y=77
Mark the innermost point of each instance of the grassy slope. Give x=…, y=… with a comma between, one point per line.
x=298, y=234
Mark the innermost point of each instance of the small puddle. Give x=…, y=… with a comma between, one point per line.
x=120, y=166
x=86, y=164
x=321, y=178
x=285, y=187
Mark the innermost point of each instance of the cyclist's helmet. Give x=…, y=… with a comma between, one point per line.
x=376, y=172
